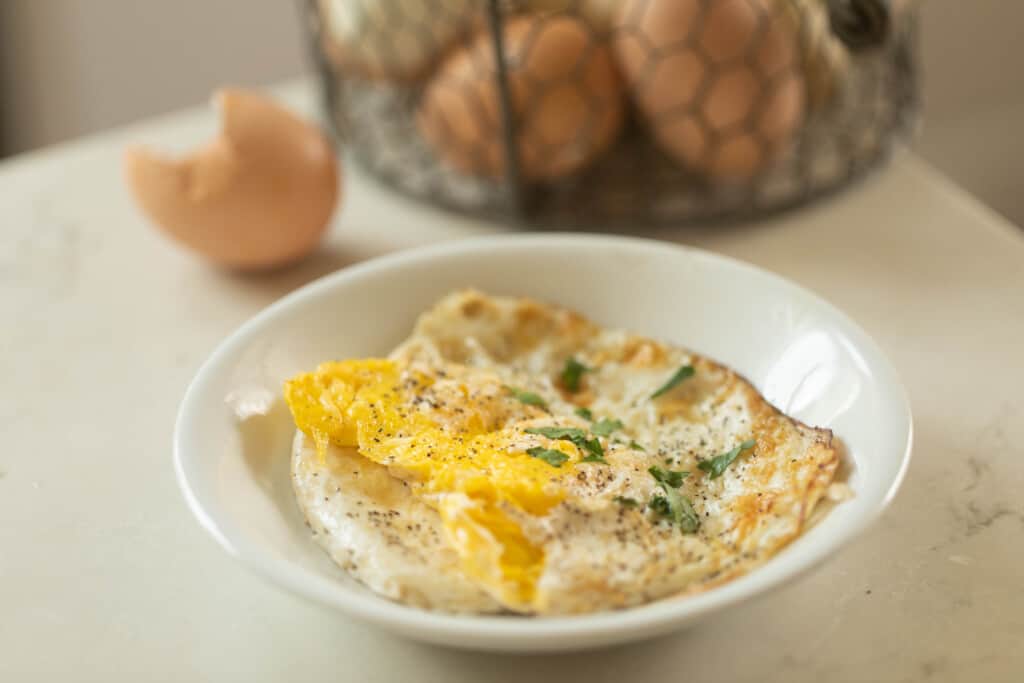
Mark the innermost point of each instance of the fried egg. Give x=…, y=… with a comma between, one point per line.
x=511, y=456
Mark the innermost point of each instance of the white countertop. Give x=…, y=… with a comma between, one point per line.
x=105, y=576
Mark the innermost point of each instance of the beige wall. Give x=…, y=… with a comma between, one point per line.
x=974, y=97
x=68, y=67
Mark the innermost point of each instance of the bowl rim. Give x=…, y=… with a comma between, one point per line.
x=650, y=617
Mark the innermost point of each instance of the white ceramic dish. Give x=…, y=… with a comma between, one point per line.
x=802, y=353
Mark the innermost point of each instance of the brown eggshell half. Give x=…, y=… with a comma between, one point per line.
x=258, y=196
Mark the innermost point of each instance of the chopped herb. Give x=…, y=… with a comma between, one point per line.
x=683, y=514
x=564, y=433
x=528, y=397
x=637, y=447
x=716, y=466
x=604, y=426
x=593, y=457
x=548, y=455
x=571, y=374
x=584, y=413
x=682, y=373
x=626, y=502
x=573, y=434
x=592, y=445
x=669, y=477
x=659, y=504
x=673, y=504
x=677, y=508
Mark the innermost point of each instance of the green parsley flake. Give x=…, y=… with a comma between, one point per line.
x=683, y=514
x=717, y=465
x=593, y=457
x=574, y=435
x=548, y=455
x=682, y=373
x=659, y=505
x=673, y=505
x=571, y=374
x=584, y=413
x=594, y=446
x=673, y=479
x=604, y=426
x=528, y=398
x=626, y=502
x=564, y=433
x=677, y=508
x=637, y=447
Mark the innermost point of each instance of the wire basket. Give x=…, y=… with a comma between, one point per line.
x=590, y=112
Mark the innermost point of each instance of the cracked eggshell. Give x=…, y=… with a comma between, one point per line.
x=259, y=195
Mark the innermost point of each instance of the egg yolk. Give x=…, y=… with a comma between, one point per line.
x=452, y=436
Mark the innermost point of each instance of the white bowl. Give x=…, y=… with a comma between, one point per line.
x=233, y=434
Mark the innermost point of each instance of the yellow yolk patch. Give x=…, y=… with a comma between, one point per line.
x=493, y=549
x=453, y=436
x=320, y=401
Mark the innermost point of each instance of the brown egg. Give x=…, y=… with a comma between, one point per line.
x=718, y=82
x=600, y=13
x=393, y=40
x=566, y=99
x=258, y=196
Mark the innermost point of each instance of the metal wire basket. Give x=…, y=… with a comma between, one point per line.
x=590, y=112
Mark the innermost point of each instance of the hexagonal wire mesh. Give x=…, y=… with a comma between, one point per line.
x=589, y=112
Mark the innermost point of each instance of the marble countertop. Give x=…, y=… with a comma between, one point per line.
x=105, y=576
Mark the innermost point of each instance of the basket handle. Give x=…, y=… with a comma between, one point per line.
x=513, y=172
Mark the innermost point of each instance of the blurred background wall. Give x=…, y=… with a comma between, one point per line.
x=70, y=67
